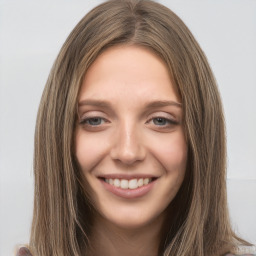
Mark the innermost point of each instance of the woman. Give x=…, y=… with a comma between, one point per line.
x=130, y=154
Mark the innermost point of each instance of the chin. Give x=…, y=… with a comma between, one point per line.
x=132, y=218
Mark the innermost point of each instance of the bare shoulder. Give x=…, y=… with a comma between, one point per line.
x=23, y=251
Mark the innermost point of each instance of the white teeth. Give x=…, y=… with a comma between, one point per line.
x=124, y=184
x=131, y=184
x=146, y=181
x=116, y=183
x=140, y=182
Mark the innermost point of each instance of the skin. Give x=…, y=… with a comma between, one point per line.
x=124, y=131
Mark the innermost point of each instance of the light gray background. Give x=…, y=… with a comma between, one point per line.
x=31, y=34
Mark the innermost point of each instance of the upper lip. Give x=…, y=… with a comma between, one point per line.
x=126, y=176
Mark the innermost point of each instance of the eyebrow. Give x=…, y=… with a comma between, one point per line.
x=98, y=103
x=163, y=103
x=153, y=104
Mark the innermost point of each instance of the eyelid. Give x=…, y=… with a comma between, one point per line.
x=85, y=117
x=83, y=120
x=92, y=114
x=165, y=115
x=171, y=122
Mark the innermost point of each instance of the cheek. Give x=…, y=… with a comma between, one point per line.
x=89, y=150
x=172, y=153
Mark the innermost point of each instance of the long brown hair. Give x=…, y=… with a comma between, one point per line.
x=200, y=221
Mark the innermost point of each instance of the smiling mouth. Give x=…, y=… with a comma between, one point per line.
x=128, y=187
x=129, y=184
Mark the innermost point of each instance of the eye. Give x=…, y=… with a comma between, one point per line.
x=161, y=121
x=93, y=121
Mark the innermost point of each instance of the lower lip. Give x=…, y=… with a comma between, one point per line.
x=128, y=193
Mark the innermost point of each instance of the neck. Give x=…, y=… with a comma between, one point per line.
x=115, y=241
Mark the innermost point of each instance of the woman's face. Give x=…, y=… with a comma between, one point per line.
x=130, y=141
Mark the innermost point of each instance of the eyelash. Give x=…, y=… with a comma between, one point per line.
x=167, y=122
x=86, y=120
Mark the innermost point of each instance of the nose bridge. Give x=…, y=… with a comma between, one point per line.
x=128, y=145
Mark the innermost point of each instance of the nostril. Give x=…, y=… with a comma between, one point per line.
x=127, y=148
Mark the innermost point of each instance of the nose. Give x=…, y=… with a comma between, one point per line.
x=128, y=145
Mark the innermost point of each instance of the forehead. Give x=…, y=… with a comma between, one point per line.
x=123, y=71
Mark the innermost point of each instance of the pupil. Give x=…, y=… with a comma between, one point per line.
x=95, y=121
x=159, y=121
